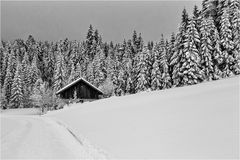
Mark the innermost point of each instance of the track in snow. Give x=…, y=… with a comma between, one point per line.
x=35, y=137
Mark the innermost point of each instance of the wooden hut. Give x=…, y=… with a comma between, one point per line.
x=81, y=89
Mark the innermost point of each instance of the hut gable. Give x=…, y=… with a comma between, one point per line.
x=82, y=88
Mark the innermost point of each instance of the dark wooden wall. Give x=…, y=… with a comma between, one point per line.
x=83, y=90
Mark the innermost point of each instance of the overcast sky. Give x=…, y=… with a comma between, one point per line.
x=55, y=20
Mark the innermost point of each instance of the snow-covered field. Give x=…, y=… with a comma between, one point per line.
x=25, y=136
x=200, y=121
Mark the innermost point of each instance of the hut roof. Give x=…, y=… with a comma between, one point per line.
x=76, y=81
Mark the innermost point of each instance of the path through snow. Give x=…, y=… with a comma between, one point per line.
x=37, y=137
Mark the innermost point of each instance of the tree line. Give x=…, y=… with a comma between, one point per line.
x=206, y=47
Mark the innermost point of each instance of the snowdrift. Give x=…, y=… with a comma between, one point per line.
x=200, y=121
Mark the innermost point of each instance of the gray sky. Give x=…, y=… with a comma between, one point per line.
x=55, y=20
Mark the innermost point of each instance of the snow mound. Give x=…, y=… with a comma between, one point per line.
x=200, y=121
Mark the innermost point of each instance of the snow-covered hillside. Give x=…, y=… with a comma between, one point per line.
x=200, y=121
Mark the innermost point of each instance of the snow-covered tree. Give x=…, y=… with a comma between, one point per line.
x=225, y=31
x=156, y=76
x=10, y=71
x=176, y=59
x=90, y=73
x=90, y=42
x=59, y=75
x=163, y=64
x=206, y=49
x=235, y=21
x=121, y=85
x=190, y=71
x=99, y=67
x=25, y=70
x=17, y=89
x=72, y=74
x=4, y=66
x=34, y=72
x=218, y=58
x=143, y=76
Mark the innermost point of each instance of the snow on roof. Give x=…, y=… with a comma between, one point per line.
x=74, y=82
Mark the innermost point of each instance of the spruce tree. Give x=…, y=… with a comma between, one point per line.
x=155, y=73
x=227, y=42
x=10, y=71
x=164, y=69
x=90, y=73
x=190, y=71
x=121, y=83
x=225, y=31
x=235, y=21
x=4, y=67
x=25, y=70
x=218, y=58
x=17, y=90
x=8, y=85
x=143, y=77
x=26, y=80
x=99, y=67
x=206, y=50
x=72, y=74
x=90, y=43
x=34, y=72
x=59, y=75
x=176, y=59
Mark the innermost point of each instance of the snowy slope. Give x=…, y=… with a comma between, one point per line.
x=200, y=121
x=35, y=137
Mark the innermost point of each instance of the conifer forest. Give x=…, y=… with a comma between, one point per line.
x=205, y=48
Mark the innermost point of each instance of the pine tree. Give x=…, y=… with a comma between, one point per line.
x=59, y=75
x=226, y=41
x=171, y=52
x=78, y=71
x=34, y=72
x=10, y=70
x=90, y=43
x=51, y=68
x=163, y=63
x=129, y=85
x=139, y=43
x=134, y=38
x=90, y=73
x=206, y=50
x=225, y=31
x=72, y=74
x=96, y=36
x=156, y=74
x=235, y=21
x=3, y=101
x=217, y=57
x=189, y=70
x=17, y=90
x=1, y=65
x=8, y=84
x=121, y=85
x=26, y=77
x=99, y=67
x=143, y=76
x=25, y=70
x=176, y=59
x=4, y=67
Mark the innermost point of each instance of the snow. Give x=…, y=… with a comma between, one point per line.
x=200, y=121
x=37, y=137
